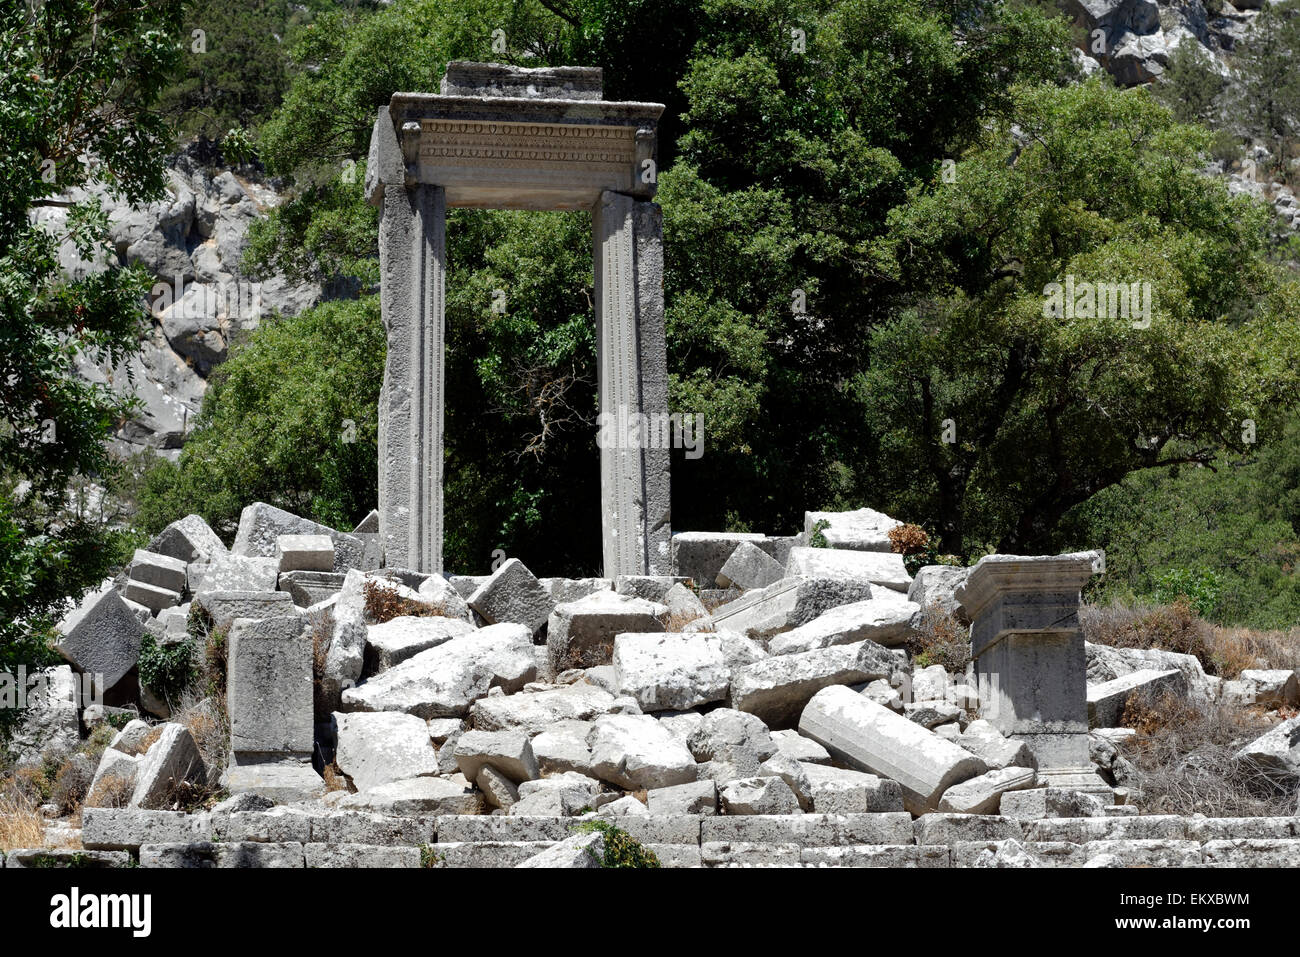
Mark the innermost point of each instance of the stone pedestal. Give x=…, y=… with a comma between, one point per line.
x=1029, y=657
x=511, y=138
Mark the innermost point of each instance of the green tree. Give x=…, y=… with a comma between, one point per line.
x=998, y=411
x=1268, y=69
x=1191, y=87
x=81, y=78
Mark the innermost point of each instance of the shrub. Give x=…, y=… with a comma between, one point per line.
x=816, y=539
x=621, y=849
x=72, y=783
x=1185, y=758
x=167, y=670
x=1200, y=588
x=939, y=639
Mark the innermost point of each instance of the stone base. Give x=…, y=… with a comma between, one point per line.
x=281, y=779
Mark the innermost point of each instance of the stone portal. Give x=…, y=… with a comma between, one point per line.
x=508, y=138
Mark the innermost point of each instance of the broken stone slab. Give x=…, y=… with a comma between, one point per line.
x=1038, y=803
x=536, y=712
x=513, y=594
x=671, y=672
x=872, y=738
x=987, y=743
x=635, y=751
x=700, y=555
x=416, y=797
x=878, y=568
x=559, y=795
x=126, y=829
x=223, y=607
x=749, y=567
x=498, y=790
x=983, y=794
x=725, y=731
x=565, y=590
x=794, y=745
x=580, y=851
x=304, y=553
x=440, y=594
x=696, y=797
x=581, y=634
x=758, y=795
x=884, y=621
x=738, y=650
x=787, y=604
x=269, y=685
x=394, y=641
x=1105, y=663
x=368, y=525
x=619, y=807
x=777, y=688
x=283, y=780
x=1273, y=688
x=189, y=539
x=235, y=573
x=1106, y=701
x=563, y=747
x=929, y=684
x=863, y=529
x=936, y=586
x=382, y=747
x=652, y=588
x=311, y=588
x=151, y=596
x=1275, y=753
x=153, y=568
x=171, y=761
x=685, y=611
x=845, y=791
x=445, y=681
x=114, y=780
x=101, y=637
x=261, y=525
x=510, y=752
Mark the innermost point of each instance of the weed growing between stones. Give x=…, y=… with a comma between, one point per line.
x=384, y=604
x=621, y=849
x=1185, y=759
x=939, y=639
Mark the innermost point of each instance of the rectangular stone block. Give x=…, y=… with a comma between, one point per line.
x=223, y=607
x=1143, y=853
x=268, y=827
x=748, y=854
x=153, y=597
x=247, y=854
x=176, y=856
x=810, y=830
x=101, y=637
x=361, y=855
x=269, y=686
x=991, y=853
x=952, y=828
x=1082, y=830
x=125, y=829
x=359, y=827
x=878, y=568
x=261, y=525
x=487, y=854
x=152, y=568
x=677, y=855
x=1252, y=852
x=464, y=828
x=876, y=855
x=305, y=553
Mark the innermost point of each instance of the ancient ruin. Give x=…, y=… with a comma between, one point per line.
x=509, y=138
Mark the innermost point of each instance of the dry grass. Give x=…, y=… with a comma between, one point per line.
x=1184, y=755
x=72, y=783
x=335, y=779
x=111, y=791
x=21, y=824
x=383, y=603
x=1222, y=651
x=676, y=621
x=322, y=632
x=940, y=639
x=208, y=723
